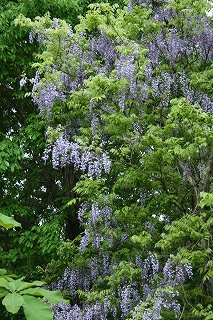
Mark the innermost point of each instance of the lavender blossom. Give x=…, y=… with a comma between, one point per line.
x=129, y=298
x=96, y=240
x=149, y=227
x=23, y=81
x=65, y=152
x=201, y=168
x=46, y=96
x=150, y=267
x=187, y=170
x=31, y=36
x=204, y=40
x=147, y=291
x=125, y=68
x=94, y=124
x=176, y=274
x=169, y=274
x=84, y=241
x=41, y=37
x=104, y=46
x=61, y=152
x=94, y=311
x=81, y=211
x=93, y=267
x=122, y=98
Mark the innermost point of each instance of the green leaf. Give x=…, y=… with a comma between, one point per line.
x=206, y=199
x=3, y=292
x=8, y=222
x=144, y=239
x=5, y=284
x=37, y=283
x=53, y=297
x=34, y=309
x=33, y=292
x=25, y=285
x=2, y=272
x=209, y=317
x=13, y=302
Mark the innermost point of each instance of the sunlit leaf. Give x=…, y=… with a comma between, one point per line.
x=8, y=222
x=13, y=302
x=34, y=309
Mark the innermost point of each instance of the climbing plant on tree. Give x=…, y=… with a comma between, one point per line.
x=30, y=190
x=127, y=101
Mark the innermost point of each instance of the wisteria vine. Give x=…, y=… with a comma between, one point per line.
x=111, y=77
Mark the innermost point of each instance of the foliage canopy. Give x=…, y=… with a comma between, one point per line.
x=125, y=100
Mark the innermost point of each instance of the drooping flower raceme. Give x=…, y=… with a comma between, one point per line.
x=65, y=152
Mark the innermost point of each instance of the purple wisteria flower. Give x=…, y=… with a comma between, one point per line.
x=32, y=36
x=94, y=217
x=150, y=268
x=47, y=96
x=176, y=274
x=129, y=297
x=23, y=81
x=65, y=152
x=105, y=47
x=84, y=240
